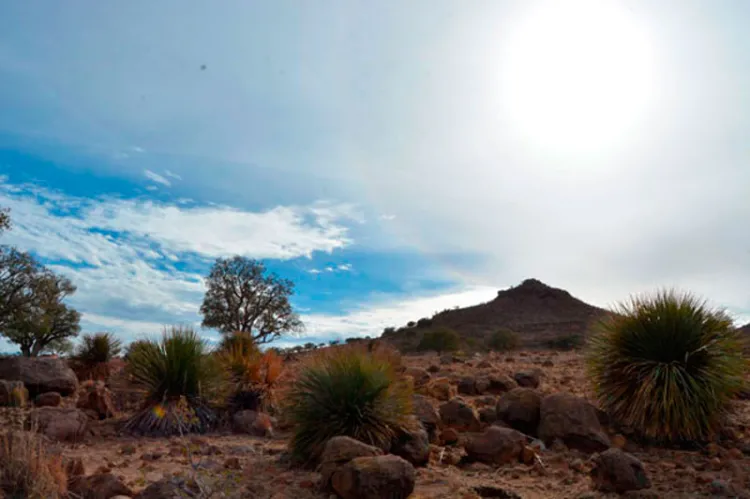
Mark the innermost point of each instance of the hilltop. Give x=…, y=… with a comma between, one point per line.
x=539, y=313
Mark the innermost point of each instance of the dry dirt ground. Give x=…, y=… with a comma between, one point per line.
x=245, y=466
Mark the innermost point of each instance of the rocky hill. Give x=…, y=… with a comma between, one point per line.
x=540, y=314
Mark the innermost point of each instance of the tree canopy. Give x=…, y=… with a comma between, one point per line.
x=243, y=296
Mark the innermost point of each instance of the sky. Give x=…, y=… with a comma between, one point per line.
x=392, y=158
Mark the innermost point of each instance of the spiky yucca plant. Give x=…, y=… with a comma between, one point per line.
x=347, y=392
x=92, y=356
x=178, y=373
x=251, y=373
x=666, y=365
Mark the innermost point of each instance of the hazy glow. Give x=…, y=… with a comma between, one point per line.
x=577, y=74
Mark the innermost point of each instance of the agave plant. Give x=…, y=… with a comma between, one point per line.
x=92, y=356
x=178, y=373
x=667, y=366
x=348, y=391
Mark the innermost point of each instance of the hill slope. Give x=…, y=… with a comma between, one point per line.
x=537, y=312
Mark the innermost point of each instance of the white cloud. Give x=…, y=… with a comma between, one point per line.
x=172, y=175
x=345, y=267
x=155, y=177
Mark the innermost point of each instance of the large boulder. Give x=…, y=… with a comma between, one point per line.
x=426, y=413
x=528, y=378
x=340, y=450
x=13, y=394
x=467, y=386
x=96, y=398
x=100, y=486
x=413, y=445
x=441, y=389
x=58, y=423
x=40, y=374
x=459, y=415
x=572, y=420
x=618, y=471
x=49, y=399
x=496, y=445
x=420, y=376
x=519, y=409
x=500, y=383
x=374, y=478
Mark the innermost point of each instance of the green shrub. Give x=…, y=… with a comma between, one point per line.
x=566, y=342
x=667, y=366
x=177, y=373
x=440, y=340
x=424, y=322
x=504, y=340
x=347, y=392
x=91, y=358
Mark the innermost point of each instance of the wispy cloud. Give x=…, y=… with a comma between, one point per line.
x=172, y=175
x=155, y=177
x=344, y=267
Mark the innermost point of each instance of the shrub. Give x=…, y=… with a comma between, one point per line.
x=504, y=340
x=566, y=342
x=92, y=356
x=347, y=392
x=251, y=375
x=424, y=322
x=667, y=365
x=177, y=373
x=243, y=341
x=440, y=340
x=26, y=470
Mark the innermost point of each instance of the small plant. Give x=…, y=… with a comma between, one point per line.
x=667, y=366
x=92, y=356
x=424, y=322
x=440, y=340
x=26, y=470
x=347, y=392
x=504, y=340
x=566, y=342
x=176, y=371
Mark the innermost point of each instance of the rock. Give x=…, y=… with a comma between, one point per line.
x=163, y=489
x=520, y=409
x=501, y=383
x=426, y=414
x=374, y=478
x=481, y=385
x=441, y=389
x=420, y=376
x=448, y=436
x=74, y=466
x=488, y=415
x=495, y=446
x=467, y=386
x=58, y=423
x=40, y=374
x=618, y=471
x=528, y=455
x=459, y=415
x=433, y=369
x=13, y=394
x=96, y=398
x=252, y=423
x=527, y=379
x=413, y=445
x=339, y=451
x=573, y=420
x=497, y=492
x=49, y=399
x=100, y=486
x=232, y=463
x=485, y=364
x=446, y=359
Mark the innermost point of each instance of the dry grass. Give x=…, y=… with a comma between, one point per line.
x=27, y=470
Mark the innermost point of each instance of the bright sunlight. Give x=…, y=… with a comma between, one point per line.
x=578, y=75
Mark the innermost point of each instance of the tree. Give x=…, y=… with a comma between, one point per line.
x=243, y=297
x=42, y=320
x=18, y=270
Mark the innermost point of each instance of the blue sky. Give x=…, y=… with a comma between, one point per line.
x=392, y=158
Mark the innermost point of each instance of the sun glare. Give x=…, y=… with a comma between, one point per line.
x=577, y=74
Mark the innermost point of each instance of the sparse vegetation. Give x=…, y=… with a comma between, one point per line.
x=440, y=340
x=347, y=391
x=667, y=365
x=566, y=342
x=504, y=340
x=93, y=354
x=27, y=470
x=178, y=374
x=424, y=322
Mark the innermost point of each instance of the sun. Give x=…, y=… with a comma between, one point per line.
x=577, y=74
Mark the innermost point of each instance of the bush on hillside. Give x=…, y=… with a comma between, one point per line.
x=347, y=392
x=27, y=470
x=566, y=342
x=178, y=374
x=504, y=340
x=667, y=365
x=440, y=340
x=424, y=322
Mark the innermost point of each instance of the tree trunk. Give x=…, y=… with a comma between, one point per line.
x=36, y=349
x=25, y=351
